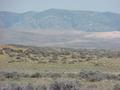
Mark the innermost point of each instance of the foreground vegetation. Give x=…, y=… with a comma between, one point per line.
x=45, y=68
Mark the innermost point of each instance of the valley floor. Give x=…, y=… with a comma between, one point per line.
x=58, y=68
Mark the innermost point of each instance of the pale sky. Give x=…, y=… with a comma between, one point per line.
x=41, y=5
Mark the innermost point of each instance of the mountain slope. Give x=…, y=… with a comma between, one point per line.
x=61, y=19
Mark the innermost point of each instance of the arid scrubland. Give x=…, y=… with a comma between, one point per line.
x=48, y=68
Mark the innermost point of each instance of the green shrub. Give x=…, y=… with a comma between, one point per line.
x=36, y=75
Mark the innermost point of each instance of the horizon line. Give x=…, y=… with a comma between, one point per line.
x=36, y=11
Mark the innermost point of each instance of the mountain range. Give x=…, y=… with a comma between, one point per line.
x=61, y=28
x=61, y=20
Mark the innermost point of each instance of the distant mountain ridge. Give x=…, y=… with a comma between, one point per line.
x=61, y=19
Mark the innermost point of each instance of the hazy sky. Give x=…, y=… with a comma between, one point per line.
x=40, y=5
